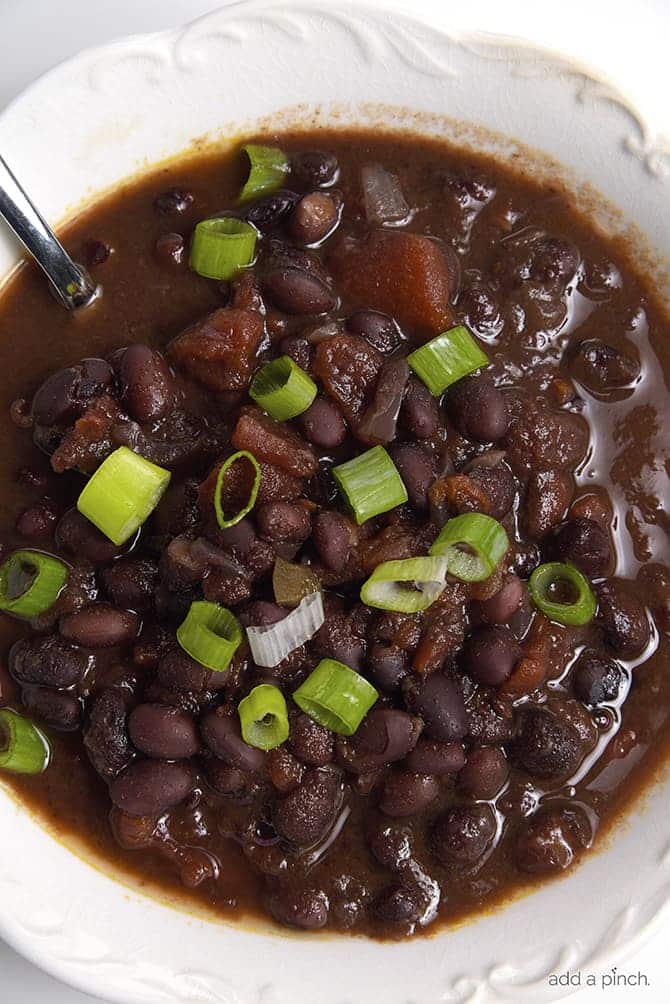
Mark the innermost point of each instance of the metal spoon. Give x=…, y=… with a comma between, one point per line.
x=71, y=282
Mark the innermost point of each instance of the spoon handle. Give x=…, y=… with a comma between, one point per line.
x=72, y=284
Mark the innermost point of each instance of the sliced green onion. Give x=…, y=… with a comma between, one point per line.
x=271, y=643
x=291, y=583
x=23, y=748
x=122, y=494
x=210, y=634
x=268, y=166
x=264, y=717
x=473, y=544
x=218, y=488
x=562, y=593
x=406, y=586
x=283, y=389
x=222, y=246
x=336, y=697
x=370, y=483
x=30, y=583
x=446, y=359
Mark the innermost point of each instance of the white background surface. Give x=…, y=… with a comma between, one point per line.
x=628, y=42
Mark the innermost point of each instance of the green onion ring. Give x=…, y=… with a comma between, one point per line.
x=218, y=488
x=336, y=697
x=484, y=538
x=264, y=717
x=580, y=611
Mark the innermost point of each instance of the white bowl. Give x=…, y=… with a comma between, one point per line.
x=103, y=116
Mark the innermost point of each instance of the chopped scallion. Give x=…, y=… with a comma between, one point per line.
x=283, y=389
x=30, y=583
x=407, y=586
x=23, y=748
x=446, y=359
x=235, y=458
x=210, y=634
x=222, y=246
x=271, y=643
x=336, y=697
x=562, y=593
x=122, y=494
x=264, y=717
x=473, y=544
x=268, y=166
x=370, y=483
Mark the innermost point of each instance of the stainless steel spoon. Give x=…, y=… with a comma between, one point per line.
x=71, y=282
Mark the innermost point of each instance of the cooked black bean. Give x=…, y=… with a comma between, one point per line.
x=170, y=249
x=282, y=521
x=502, y=606
x=419, y=413
x=312, y=218
x=106, y=735
x=303, y=908
x=554, y=258
x=462, y=834
x=314, y=168
x=284, y=770
x=597, y=679
x=57, y=708
x=378, y=329
x=602, y=367
x=47, y=660
x=146, y=383
x=490, y=654
x=439, y=701
x=551, y=839
x=333, y=536
x=399, y=903
x=417, y=470
x=76, y=534
x=583, y=543
x=498, y=486
x=304, y=815
x=100, y=625
x=178, y=671
x=485, y=773
x=478, y=409
x=309, y=741
x=390, y=842
x=163, y=732
x=130, y=582
x=385, y=736
x=96, y=253
x=176, y=200
x=388, y=666
x=404, y=794
x=232, y=781
x=262, y=612
x=300, y=351
x=296, y=291
x=430, y=757
x=150, y=787
x=64, y=395
x=238, y=538
x=545, y=745
x=525, y=559
x=268, y=212
x=38, y=520
x=623, y=619
x=323, y=424
x=221, y=734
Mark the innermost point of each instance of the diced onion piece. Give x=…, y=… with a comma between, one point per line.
x=292, y=583
x=30, y=583
x=336, y=697
x=264, y=717
x=210, y=634
x=122, y=494
x=382, y=196
x=23, y=748
x=473, y=544
x=578, y=605
x=407, y=586
x=221, y=247
x=268, y=166
x=218, y=488
x=446, y=359
x=283, y=389
x=371, y=484
x=271, y=643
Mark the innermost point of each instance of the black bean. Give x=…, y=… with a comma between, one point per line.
x=430, y=757
x=323, y=424
x=385, y=735
x=623, y=618
x=76, y=534
x=38, y=520
x=130, y=583
x=333, y=536
x=404, y=794
x=100, y=625
x=602, y=367
x=284, y=770
x=398, y=903
x=525, y=559
x=178, y=671
x=163, y=732
x=545, y=745
x=312, y=218
x=314, y=168
x=176, y=200
x=170, y=249
x=221, y=733
x=304, y=815
x=388, y=666
x=417, y=469
x=485, y=773
x=391, y=843
x=106, y=736
x=583, y=543
x=146, y=383
x=502, y=606
x=296, y=291
x=262, y=612
x=231, y=781
x=439, y=701
x=64, y=395
x=150, y=787
x=419, y=413
x=462, y=834
x=481, y=309
x=554, y=258
x=310, y=742
x=490, y=655
x=551, y=839
x=378, y=329
x=597, y=679
x=58, y=709
x=96, y=253
x=267, y=213
x=478, y=409
x=132, y=832
x=282, y=521
x=303, y=908
x=299, y=349
x=48, y=660
x=238, y=539
x=498, y=484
